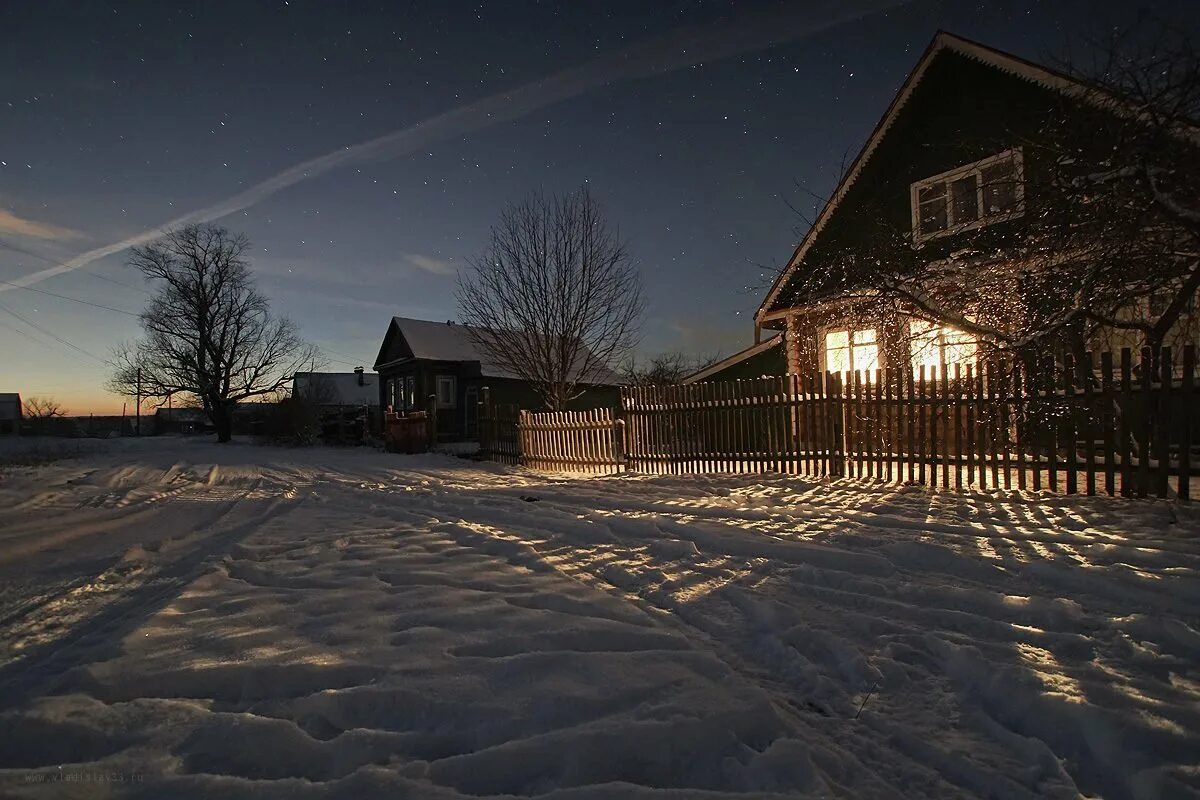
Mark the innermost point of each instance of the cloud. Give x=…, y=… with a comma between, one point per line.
x=10, y=223
x=430, y=264
x=684, y=47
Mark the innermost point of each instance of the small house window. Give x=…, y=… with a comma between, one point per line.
x=409, y=399
x=970, y=196
x=850, y=350
x=939, y=347
x=447, y=391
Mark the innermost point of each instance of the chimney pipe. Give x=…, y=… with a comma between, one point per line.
x=359, y=372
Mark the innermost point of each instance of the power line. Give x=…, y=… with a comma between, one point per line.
x=10, y=246
x=72, y=299
x=53, y=335
x=20, y=332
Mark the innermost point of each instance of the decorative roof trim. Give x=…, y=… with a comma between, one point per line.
x=941, y=41
x=742, y=355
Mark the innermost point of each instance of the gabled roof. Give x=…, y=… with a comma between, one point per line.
x=739, y=356
x=450, y=341
x=344, y=388
x=942, y=42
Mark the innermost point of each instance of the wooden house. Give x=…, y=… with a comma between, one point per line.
x=10, y=414
x=758, y=360
x=948, y=161
x=423, y=363
x=354, y=389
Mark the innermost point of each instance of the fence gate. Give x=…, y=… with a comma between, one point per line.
x=572, y=441
x=498, y=432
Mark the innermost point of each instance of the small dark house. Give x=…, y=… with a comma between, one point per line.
x=422, y=363
x=10, y=413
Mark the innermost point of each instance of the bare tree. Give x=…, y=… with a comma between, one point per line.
x=209, y=334
x=42, y=408
x=664, y=369
x=1109, y=234
x=556, y=297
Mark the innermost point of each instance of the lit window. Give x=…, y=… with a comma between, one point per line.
x=970, y=196
x=447, y=391
x=851, y=350
x=409, y=399
x=939, y=347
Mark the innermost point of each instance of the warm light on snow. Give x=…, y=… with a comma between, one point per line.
x=366, y=624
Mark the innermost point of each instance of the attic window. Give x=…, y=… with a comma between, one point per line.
x=970, y=196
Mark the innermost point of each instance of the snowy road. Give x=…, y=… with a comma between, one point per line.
x=251, y=622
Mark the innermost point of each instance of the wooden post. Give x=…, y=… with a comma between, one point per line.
x=1031, y=412
x=1072, y=410
x=1186, y=407
x=1126, y=430
x=922, y=408
x=1089, y=442
x=948, y=457
x=1108, y=418
x=1145, y=419
x=1162, y=426
x=431, y=405
x=1052, y=405
x=958, y=430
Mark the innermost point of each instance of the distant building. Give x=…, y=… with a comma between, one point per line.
x=756, y=361
x=10, y=414
x=420, y=359
x=342, y=389
x=181, y=420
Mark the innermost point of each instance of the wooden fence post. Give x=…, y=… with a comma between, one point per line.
x=1186, y=406
x=431, y=410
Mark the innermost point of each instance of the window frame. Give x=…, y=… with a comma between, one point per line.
x=942, y=333
x=947, y=179
x=849, y=330
x=452, y=381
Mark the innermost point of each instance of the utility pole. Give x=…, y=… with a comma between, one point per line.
x=139, y=402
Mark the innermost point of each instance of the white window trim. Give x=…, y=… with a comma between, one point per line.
x=947, y=177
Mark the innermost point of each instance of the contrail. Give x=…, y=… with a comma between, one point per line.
x=684, y=47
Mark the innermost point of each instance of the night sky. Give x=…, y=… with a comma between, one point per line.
x=117, y=118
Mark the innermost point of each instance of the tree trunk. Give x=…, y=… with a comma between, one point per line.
x=222, y=419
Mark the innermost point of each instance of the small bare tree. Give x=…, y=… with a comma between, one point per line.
x=209, y=334
x=664, y=369
x=42, y=408
x=556, y=298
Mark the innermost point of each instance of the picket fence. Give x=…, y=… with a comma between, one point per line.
x=1116, y=427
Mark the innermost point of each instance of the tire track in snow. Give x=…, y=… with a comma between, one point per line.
x=37, y=671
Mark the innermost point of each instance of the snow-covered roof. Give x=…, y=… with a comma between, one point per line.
x=438, y=341
x=450, y=341
x=741, y=355
x=343, y=387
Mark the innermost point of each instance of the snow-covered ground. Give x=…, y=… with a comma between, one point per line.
x=179, y=619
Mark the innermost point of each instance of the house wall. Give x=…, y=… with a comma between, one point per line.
x=10, y=418
x=460, y=421
x=961, y=112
